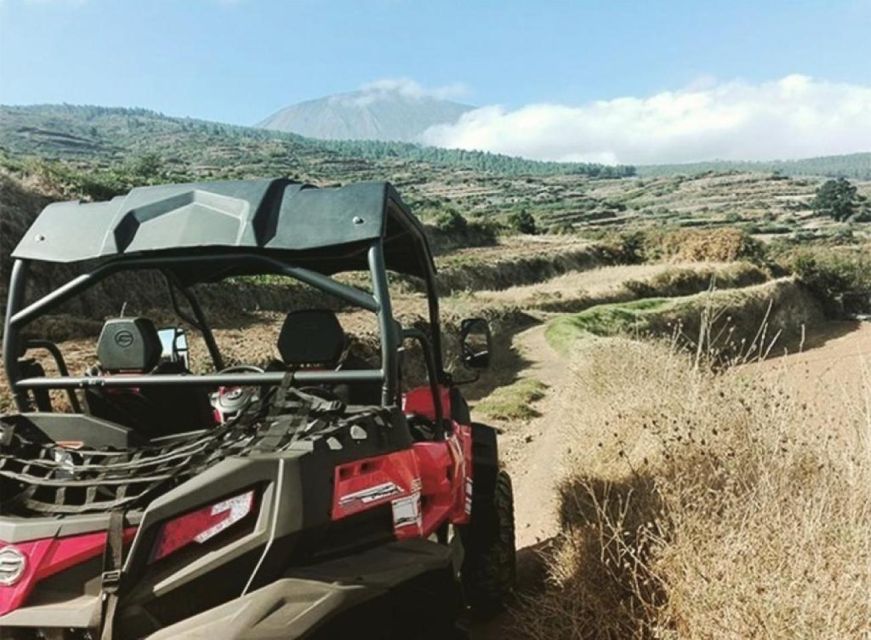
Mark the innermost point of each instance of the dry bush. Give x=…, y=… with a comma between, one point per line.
x=722, y=244
x=706, y=506
x=472, y=273
x=685, y=281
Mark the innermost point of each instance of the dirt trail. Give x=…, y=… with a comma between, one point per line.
x=833, y=372
x=533, y=453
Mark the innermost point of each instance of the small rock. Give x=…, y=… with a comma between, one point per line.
x=528, y=439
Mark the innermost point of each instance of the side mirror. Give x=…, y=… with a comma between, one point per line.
x=175, y=345
x=475, y=343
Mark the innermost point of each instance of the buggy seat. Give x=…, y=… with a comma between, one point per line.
x=132, y=346
x=314, y=338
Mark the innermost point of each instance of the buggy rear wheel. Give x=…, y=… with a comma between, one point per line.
x=489, y=564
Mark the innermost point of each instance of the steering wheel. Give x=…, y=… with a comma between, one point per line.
x=250, y=368
x=228, y=401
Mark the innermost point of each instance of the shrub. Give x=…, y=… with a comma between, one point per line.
x=523, y=222
x=451, y=221
x=627, y=247
x=863, y=216
x=719, y=245
x=841, y=278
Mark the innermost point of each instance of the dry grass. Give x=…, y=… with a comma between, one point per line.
x=579, y=290
x=706, y=506
x=720, y=244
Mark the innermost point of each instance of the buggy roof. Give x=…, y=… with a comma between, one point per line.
x=327, y=230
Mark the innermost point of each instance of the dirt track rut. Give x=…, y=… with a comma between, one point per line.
x=533, y=453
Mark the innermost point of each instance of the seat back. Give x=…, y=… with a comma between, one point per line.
x=129, y=345
x=314, y=338
x=311, y=338
x=132, y=346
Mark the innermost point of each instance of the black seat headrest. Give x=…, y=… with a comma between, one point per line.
x=129, y=344
x=311, y=337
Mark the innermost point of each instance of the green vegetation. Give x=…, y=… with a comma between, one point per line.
x=477, y=160
x=451, y=221
x=523, y=222
x=103, y=133
x=854, y=165
x=735, y=323
x=837, y=199
x=513, y=402
x=839, y=277
x=96, y=153
x=605, y=320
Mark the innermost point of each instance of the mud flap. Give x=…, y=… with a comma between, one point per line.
x=401, y=590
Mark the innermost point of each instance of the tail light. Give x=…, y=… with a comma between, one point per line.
x=201, y=525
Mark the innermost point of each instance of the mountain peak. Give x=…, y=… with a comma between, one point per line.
x=385, y=110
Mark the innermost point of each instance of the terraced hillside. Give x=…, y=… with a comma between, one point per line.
x=98, y=152
x=646, y=464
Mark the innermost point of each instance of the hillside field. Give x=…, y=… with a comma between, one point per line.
x=681, y=367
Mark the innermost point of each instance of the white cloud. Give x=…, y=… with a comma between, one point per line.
x=386, y=88
x=794, y=117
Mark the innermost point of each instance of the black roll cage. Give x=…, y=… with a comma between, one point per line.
x=18, y=316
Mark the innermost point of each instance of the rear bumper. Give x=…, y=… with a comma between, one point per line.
x=392, y=591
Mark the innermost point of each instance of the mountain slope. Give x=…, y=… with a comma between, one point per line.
x=107, y=134
x=366, y=115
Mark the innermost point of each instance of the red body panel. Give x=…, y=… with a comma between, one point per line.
x=427, y=486
x=419, y=402
x=49, y=556
x=393, y=478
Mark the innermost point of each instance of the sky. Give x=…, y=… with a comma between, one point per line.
x=615, y=81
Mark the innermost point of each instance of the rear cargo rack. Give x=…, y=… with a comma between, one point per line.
x=51, y=479
x=59, y=480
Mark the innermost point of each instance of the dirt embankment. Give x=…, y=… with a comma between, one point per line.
x=508, y=266
x=741, y=324
x=579, y=290
x=644, y=482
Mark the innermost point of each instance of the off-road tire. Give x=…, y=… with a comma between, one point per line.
x=489, y=562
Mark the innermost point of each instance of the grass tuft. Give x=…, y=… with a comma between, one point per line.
x=513, y=402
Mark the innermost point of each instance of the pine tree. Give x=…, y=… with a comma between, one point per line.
x=836, y=198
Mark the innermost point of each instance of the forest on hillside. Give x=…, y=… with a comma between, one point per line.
x=856, y=166
x=64, y=131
